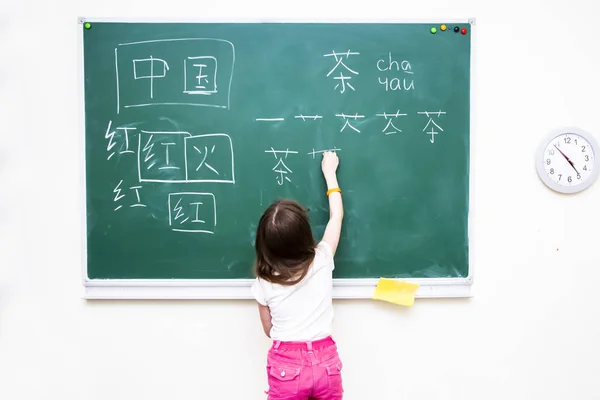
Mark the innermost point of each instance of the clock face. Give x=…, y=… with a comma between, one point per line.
x=568, y=163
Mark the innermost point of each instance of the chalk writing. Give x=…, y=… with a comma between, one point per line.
x=406, y=82
x=347, y=119
x=314, y=152
x=309, y=117
x=137, y=195
x=186, y=158
x=390, y=128
x=431, y=123
x=112, y=137
x=339, y=61
x=281, y=168
x=203, y=73
x=209, y=158
x=148, y=67
x=207, y=65
x=270, y=119
x=118, y=196
x=125, y=134
x=192, y=212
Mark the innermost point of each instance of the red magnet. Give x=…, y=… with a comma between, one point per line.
x=463, y=31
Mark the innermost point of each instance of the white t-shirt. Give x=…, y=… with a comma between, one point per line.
x=302, y=312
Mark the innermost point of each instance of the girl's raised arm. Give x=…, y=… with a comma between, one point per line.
x=329, y=166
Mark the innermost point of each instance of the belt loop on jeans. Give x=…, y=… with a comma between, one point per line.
x=277, y=343
x=309, y=346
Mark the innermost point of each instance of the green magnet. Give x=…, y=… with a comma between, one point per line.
x=433, y=30
x=87, y=25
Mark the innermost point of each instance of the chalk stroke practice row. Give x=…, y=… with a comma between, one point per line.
x=351, y=121
x=148, y=73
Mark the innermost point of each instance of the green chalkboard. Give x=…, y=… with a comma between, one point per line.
x=193, y=129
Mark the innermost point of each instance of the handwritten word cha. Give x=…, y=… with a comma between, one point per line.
x=395, y=83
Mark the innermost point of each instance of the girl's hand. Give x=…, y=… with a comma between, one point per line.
x=329, y=163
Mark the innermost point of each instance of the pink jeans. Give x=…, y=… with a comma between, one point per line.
x=304, y=370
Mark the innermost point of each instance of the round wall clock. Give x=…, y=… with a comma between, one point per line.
x=566, y=160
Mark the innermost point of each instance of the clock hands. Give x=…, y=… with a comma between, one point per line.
x=567, y=158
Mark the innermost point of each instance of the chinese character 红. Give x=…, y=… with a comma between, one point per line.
x=192, y=212
x=113, y=136
x=119, y=196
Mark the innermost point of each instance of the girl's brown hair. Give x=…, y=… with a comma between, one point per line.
x=285, y=248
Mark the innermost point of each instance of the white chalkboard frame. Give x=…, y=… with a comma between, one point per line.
x=229, y=289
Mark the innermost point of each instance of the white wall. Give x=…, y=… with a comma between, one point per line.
x=532, y=330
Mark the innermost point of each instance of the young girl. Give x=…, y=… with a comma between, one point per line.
x=293, y=289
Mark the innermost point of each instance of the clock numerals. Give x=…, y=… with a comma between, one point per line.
x=551, y=152
x=583, y=149
x=585, y=168
x=567, y=140
x=548, y=161
x=559, y=177
x=569, y=179
x=586, y=158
